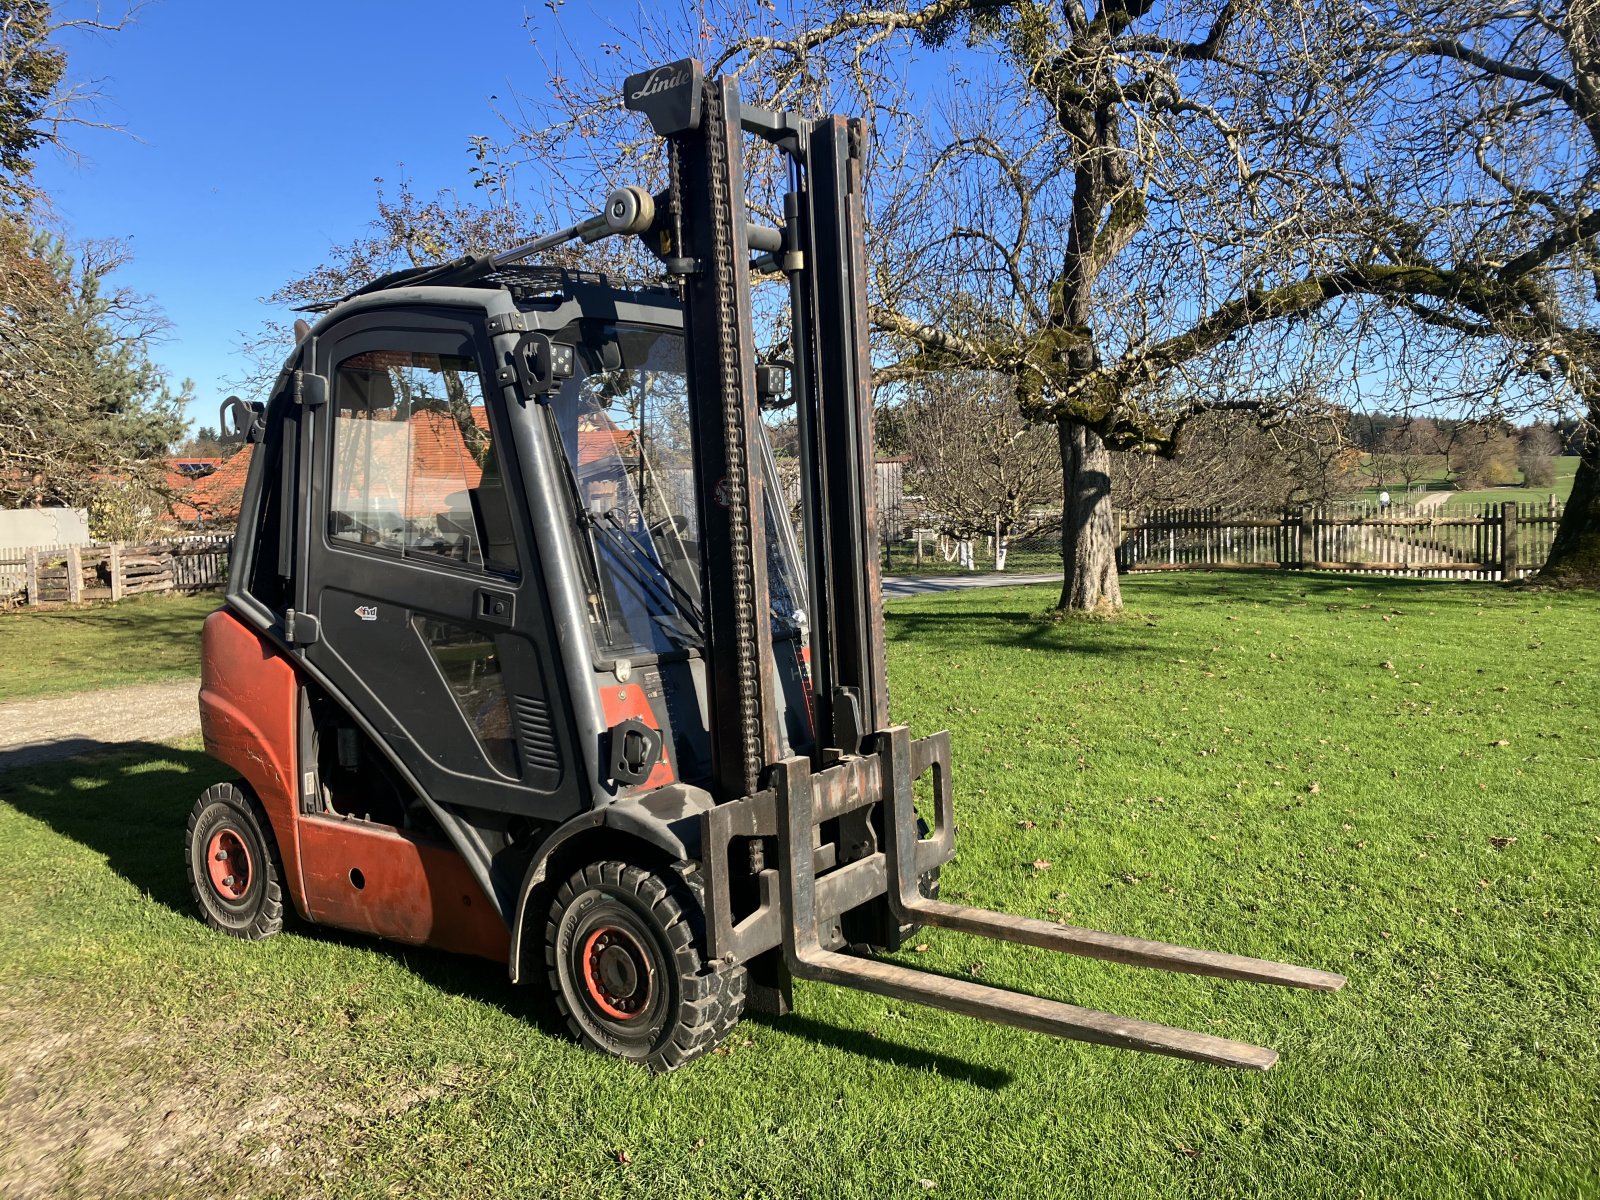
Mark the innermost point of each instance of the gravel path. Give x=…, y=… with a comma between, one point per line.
x=913, y=585
x=54, y=727
x=1431, y=501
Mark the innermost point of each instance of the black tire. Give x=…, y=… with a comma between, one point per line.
x=235, y=874
x=624, y=950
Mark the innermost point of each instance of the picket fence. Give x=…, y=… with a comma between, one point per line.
x=1486, y=541
x=37, y=576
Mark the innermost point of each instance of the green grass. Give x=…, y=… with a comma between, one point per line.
x=1438, y=481
x=1039, y=556
x=72, y=649
x=1566, y=470
x=1398, y=780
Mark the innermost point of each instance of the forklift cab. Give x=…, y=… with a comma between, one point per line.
x=501, y=577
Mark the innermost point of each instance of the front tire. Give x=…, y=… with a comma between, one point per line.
x=626, y=962
x=235, y=874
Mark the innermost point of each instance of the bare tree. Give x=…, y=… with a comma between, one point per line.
x=981, y=467
x=1095, y=209
x=1473, y=168
x=1537, y=448
x=1228, y=460
x=38, y=100
x=1411, y=448
x=1482, y=454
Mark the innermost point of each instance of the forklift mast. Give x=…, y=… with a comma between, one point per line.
x=706, y=240
x=505, y=675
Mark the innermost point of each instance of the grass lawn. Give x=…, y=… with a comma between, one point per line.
x=1566, y=469
x=1038, y=556
x=1438, y=481
x=1399, y=780
x=72, y=649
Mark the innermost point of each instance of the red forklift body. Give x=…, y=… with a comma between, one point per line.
x=353, y=875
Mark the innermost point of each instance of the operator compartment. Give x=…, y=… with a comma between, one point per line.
x=621, y=423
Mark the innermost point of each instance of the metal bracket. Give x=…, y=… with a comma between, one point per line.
x=507, y=323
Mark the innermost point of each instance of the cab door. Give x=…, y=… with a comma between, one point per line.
x=431, y=618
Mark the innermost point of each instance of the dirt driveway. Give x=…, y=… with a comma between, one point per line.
x=54, y=727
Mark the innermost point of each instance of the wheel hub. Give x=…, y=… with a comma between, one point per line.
x=228, y=864
x=616, y=973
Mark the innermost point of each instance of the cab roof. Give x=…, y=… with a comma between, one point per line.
x=526, y=282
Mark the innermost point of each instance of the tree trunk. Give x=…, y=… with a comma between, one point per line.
x=1575, y=555
x=1088, y=523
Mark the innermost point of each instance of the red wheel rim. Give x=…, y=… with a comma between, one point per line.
x=228, y=863
x=616, y=973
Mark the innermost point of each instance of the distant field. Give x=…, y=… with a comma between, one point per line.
x=1566, y=468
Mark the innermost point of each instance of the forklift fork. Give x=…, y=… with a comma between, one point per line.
x=802, y=800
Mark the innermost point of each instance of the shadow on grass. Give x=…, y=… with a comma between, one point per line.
x=1000, y=627
x=130, y=803
x=881, y=1049
x=1288, y=586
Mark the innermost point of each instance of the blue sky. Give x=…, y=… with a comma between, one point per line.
x=257, y=131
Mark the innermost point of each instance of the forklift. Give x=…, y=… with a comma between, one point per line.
x=523, y=657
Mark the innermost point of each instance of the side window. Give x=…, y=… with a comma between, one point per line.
x=468, y=661
x=414, y=465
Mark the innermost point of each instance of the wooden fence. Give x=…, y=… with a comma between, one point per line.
x=1486, y=541
x=52, y=575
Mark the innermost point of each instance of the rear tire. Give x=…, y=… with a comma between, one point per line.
x=235, y=874
x=625, y=954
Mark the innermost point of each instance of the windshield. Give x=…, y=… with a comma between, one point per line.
x=623, y=420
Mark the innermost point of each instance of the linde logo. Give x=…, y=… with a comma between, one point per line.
x=660, y=80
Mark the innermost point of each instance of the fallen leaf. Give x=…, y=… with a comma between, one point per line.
x=1315, y=789
x=921, y=947
x=699, y=1144
x=623, y=1157
x=1187, y=1151
x=1500, y=742
x=1026, y=825
x=1041, y=864
x=927, y=1185
x=976, y=968
x=1386, y=665
x=1500, y=843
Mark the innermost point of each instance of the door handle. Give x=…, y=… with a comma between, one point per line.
x=496, y=606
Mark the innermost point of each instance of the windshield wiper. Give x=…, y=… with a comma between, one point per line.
x=673, y=593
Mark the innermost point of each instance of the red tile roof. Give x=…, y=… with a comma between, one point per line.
x=215, y=498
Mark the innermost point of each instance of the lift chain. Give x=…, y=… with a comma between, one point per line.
x=675, y=199
x=724, y=274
